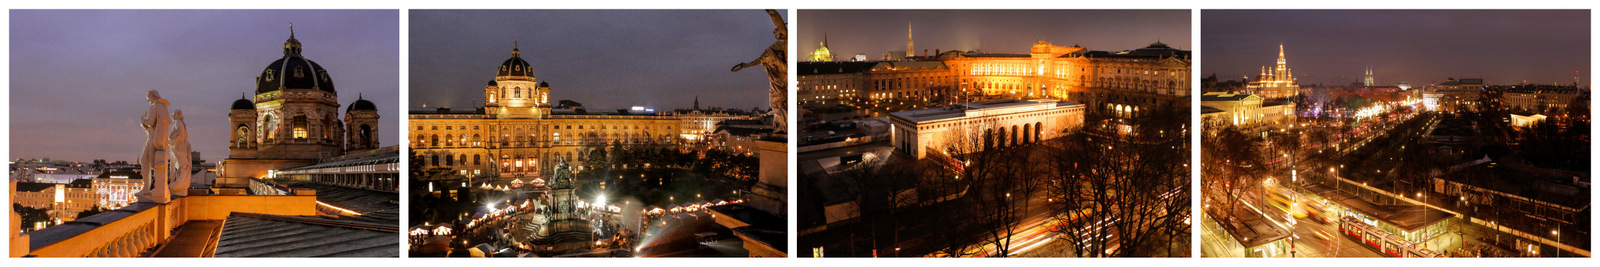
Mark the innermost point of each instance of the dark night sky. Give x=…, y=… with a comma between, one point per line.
x=605, y=59
x=79, y=77
x=874, y=32
x=1416, y=46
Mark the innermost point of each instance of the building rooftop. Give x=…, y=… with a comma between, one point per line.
x=1405, y=217
x=478, y=111
x=1221, y=96
x=261, y=235
x=980, y=108
x=33, y=187
x=768, y=229
x=837, y=67
x=374, y=206
x=1250, y=228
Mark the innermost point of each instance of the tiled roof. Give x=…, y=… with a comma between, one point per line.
x=261, y=235
x=375, y=206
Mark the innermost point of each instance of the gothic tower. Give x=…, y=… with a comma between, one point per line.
x=1368, y=80
x=910, y=50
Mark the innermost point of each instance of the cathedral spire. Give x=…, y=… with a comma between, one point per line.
x=910, y=51
x=697, y=97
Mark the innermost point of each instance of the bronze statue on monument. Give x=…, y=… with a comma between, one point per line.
x=776, y=60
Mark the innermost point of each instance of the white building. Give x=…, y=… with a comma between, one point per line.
x=995, y=123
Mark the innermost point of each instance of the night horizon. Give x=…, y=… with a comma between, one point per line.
x=874, y=32
x=604, y=59
x=200, y=60
x=1335, y=46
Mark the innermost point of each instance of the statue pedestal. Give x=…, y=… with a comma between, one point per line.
x=156, y=182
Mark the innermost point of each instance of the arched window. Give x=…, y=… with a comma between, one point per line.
x=299, y=125
x=449, y=160
x=463, y=159
x=422, y=141
x=435, y=160
x=1027, y=131
x=271, y=124
x=1038, y=129
x=365, y=135
x=242, y=136
x=449, y=140
x=518, y=92
x=434, y=139
x=477, y=159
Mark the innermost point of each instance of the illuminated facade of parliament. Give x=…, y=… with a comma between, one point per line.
x=1121, y=83
x=517, y=134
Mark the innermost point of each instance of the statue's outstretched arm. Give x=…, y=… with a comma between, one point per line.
x=756, y=62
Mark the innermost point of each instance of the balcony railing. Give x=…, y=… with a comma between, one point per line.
x=134, y=230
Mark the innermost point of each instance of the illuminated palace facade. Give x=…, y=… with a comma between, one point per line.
x=1278, y=82
x=517, y=135
x=1121, y=83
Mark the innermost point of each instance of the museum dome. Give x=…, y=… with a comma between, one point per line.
x=361, y=104
x=293, y=71
x=243, y=103
x=515, y=66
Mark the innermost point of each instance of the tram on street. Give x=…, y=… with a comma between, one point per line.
x=1389, y=243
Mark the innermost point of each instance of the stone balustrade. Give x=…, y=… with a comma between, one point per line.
x=133, y=230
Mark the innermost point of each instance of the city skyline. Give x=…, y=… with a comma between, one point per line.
x=200, y=60
x=604, y=59
x=874, y=32
x=1336, y=46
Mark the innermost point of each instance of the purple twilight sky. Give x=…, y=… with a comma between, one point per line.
x=79, y=77
x=874, y=32
x=1419, y=47
x=605, y=59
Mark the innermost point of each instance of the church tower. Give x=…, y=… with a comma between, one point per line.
x=910, y=49
x=1368, y=80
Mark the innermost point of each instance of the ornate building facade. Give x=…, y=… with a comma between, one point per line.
x=293, y=119
x=1000, y=123
x=518, y=135
x=1275, y=83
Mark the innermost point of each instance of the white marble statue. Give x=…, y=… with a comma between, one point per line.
x=182, y=160
x=153, y=160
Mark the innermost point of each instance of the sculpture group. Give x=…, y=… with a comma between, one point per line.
x=165, y=143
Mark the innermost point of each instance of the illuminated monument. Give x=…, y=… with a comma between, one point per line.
x=294, y=120
x=1275, y=83
x=821, y=54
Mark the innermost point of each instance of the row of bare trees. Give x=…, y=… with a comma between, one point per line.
x=1121, y=187
x=1116, y=187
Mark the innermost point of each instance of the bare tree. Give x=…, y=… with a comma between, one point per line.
x=1230, y=167
x=1122, y=191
